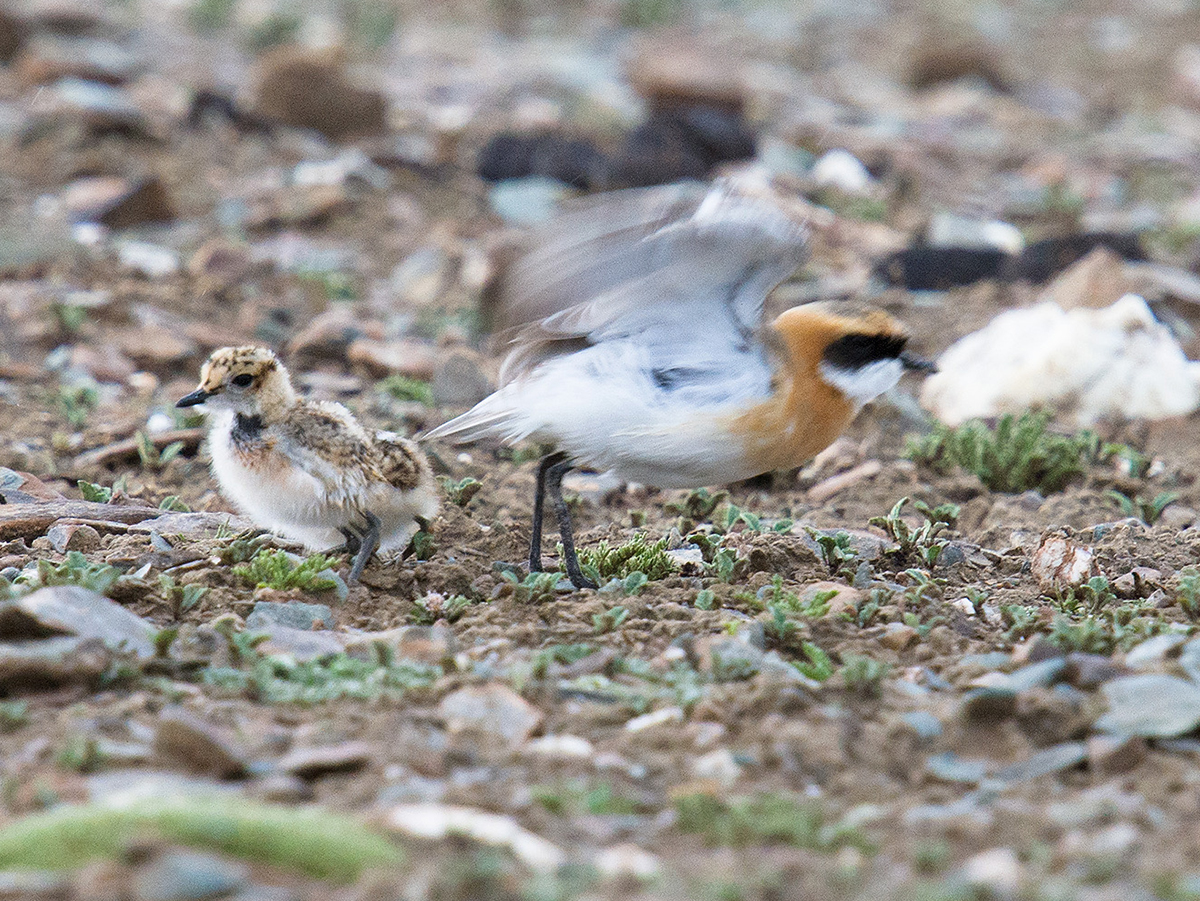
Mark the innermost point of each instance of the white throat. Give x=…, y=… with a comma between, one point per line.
x=864, y=383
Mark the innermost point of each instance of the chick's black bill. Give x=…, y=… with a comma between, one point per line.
x=198, y=396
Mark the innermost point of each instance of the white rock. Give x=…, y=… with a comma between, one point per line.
x=562, y=746
x=964, y=606
x=952, y=230
x=841, y=169
x=998, y=869
x=628, y=861
x=439, y=821
x=148, y=259
x=1089, y=365
x=654, y=718
x=718, y=765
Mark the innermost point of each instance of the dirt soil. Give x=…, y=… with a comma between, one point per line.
x=908, y=748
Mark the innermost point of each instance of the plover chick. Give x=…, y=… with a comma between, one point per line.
x=649, y=353
x=308, y=470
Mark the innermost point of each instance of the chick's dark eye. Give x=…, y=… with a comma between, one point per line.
x=242, y=381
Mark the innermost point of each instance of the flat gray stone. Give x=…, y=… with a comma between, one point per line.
x=492, y=709
x=1151, y=705
x=309, y=763
x=293, y=614
x=71, y=610
x=205, y=748
x=1043, y=763
x=188, y=876
x=52, y=661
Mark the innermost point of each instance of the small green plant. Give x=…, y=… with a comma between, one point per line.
x=76, y=402
x=81, y=754
x=76, y=569
x=602, y=562
x=1020, y=621
x=280, y=570
x=923, y=541
x=836, y=549
x=283, y=680
x=864, y=675
x=575, y=798
x=211, y=15
x=172, y=504
x=13, y=715
x=727, y=565
x=1090, y=597
x=182, y=597
x=706, y=599
x=816, y=665
x=1148, y=510
x=1188, y=592
x=696, y=508
x=765, y=818
x=404, y=388
x=924, y=587
x=646, y=13
x=152, y=458
x=610, y=620
x=535, y=588
x=1018, y=455
x=241, y=547
x=434, y=606
x=97, y=494
x=779, y=626
x=1133, y=462
x=1101, y=633
x=563, y=654
x=461, y=491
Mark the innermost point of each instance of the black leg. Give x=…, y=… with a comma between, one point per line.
x=539, y=497
x=370, y=544
x=352, y=541
x=563, y=512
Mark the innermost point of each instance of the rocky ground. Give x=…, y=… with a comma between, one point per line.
x=779, y=693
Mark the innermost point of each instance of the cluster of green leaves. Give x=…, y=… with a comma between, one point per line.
x=696, y=508
x=76, y=402
x=576, y=797
x=1111, y=629
x=432, y=607
x=816, y=663
x=97, y=494
x=639, y=686
x=1188, y=592
x=603, y=562
x=836, y=550
x=863, y=675
x=1148, y=510
x=922, y=542
x=75, y=569
x=460, y=491
x=610, y=620
x=535, y=588
x=181, y=597
x=784, y=606
x=153, y=458
x=765, y=819
x=402, y=387
x=278, y=569
x=283, y=680
x=1090, y=597
x=1018, y=455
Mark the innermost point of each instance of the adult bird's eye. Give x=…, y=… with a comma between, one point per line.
x=242, y=381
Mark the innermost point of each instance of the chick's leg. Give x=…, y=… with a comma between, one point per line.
x=370, y=544
x=563, y=512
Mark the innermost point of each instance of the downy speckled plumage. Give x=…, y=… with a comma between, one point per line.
x=308, y=470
